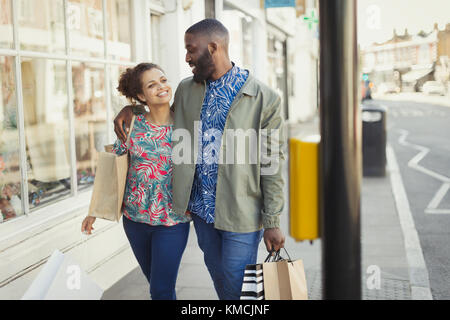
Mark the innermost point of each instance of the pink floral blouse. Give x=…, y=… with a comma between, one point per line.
x=148, y=192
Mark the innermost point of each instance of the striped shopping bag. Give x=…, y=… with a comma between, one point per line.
x=253, y=284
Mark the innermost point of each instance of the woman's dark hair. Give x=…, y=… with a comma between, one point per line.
x=130, y=84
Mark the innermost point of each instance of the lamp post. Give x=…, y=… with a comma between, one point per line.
x=340, y=151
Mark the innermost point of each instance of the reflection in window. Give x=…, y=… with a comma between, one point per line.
x=46, y=130
x=85, y=23
x=42, y=32
x=117, y=100
x=10, y=191
x=118, y=12
x=6, y=29
x=90, y=118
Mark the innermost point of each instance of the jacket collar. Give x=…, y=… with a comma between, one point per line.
x=250, y=87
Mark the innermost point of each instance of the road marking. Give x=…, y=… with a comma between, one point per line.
x=414, y=164
x=415, y=113
x=434, y=203
x=418, y=272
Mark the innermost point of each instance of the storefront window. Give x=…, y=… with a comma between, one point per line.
x=51, y=170
x=46, y=130
x=6, y=30
x=41, y=25
x=90, y=118
x=85, y=23
x=10, y=191
x=118, y=101
x=119, y=47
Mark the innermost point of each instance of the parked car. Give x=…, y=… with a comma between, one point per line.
x=433, y=87
x=388, y=87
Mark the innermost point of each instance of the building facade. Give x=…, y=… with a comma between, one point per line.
x=406, y=60
x=59, y=71
x=443, y=51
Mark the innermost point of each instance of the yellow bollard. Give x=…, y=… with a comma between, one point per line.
x=304, y=187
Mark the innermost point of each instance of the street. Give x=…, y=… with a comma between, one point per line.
x=419, y=134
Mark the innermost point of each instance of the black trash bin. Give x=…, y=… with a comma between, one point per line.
x=374, y=140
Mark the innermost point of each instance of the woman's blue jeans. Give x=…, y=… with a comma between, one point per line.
x=226, y=254
x=158, y=250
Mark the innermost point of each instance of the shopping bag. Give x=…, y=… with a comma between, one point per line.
x=284, y=279
x=61, y=278
x=109, y=183
x=252, y=285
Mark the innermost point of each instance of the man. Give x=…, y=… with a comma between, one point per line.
x=230, y=203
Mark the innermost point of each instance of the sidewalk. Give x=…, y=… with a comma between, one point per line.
x=382, y=245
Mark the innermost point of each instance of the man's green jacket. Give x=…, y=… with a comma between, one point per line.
x=250, y=187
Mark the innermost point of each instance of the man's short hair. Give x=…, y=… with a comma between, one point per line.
x=209, y=27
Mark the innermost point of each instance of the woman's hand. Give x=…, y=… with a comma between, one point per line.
x=86, y=225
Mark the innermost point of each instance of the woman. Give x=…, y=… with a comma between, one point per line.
x=157, y=236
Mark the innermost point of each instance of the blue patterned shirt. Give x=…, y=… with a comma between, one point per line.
x=217, y=102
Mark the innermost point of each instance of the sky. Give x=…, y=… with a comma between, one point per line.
x=378, y=18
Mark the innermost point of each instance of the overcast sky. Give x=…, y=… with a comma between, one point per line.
x=378, y=18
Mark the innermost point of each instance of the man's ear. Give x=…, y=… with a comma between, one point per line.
x=212, y=47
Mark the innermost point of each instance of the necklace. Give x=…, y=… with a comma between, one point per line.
x=149, y=119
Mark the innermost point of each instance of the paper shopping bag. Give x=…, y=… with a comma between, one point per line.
x=284, y=280
x=109, y=183
x=109, y=186
x=61, y=278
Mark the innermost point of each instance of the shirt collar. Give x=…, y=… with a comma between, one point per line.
x=250, y=87
x=227, y=77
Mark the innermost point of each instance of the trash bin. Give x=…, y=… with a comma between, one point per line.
x=374, y=140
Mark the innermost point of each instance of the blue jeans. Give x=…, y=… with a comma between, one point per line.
x=158, y=250
x=226, y=254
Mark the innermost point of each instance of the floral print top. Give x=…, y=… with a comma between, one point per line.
x=148, y=192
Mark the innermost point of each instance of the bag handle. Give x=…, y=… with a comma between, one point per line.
x=271, y=257
x=277, y=257
x=129, y=133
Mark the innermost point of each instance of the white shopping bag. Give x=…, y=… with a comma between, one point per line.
x=61, y=278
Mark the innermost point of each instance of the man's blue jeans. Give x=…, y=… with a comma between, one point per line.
x=226, y=254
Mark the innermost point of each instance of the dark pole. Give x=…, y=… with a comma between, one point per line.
x=340, y=151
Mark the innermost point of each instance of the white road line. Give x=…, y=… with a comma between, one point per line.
x=418, y=272
x=438, y=211
x=434, y=203
x=414, y=164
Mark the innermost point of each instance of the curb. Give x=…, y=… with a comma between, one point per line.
x=418, y=272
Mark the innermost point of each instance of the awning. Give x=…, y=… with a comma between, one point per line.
x=415, y=75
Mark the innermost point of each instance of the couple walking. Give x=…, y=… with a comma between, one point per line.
x=232, y=206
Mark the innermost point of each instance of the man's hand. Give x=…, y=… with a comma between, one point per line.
x=274, y=239
x=125, y=116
